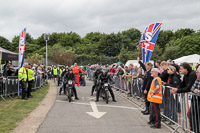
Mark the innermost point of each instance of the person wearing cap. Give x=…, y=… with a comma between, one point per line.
x=155, y=98
x=76, y=69
x=5, y=68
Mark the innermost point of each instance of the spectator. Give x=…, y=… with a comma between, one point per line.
x=5, y=68
x=195, y=106
x=157, y=65
x=146, y=83
x=188, y=79
x=170, y=110
x=155, y=97
x=131, y=74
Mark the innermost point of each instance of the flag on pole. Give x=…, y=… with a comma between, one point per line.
x=148, y=40
x=22, y=38
x=22, y=47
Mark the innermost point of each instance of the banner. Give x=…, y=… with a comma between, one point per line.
x=22, y=47
x=22, y=39
x=148, y=40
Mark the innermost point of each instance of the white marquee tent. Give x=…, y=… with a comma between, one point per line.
x=192, y=59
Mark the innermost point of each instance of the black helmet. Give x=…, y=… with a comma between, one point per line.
x=105, y=71
x=70, y=69
x=98, y=69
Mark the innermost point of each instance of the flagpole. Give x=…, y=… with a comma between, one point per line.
x=139, y=52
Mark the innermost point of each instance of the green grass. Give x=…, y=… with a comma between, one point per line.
x=12, y=111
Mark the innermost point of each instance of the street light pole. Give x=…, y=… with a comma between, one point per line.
x=46, y=38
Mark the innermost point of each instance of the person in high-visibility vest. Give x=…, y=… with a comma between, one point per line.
x=76, y=70
x=31, y=78
x=155, y=98
x=55, y=73
x=22, y=80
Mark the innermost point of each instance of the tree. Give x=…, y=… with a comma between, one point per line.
x=35, y=59
x=92, y=37
x=171, y=52
x=62, y=56
x=183, y=32
x=190, y=44
x=5, y=43
x=164, y=37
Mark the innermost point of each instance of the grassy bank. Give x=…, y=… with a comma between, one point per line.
x=12, y=111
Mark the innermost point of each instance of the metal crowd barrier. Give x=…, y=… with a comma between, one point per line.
x=181, y=110
x=9, y=85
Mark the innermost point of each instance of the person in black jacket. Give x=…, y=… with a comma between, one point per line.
x=187, y=83
x=146, y=83
x=104, y=77
x=71, y=76
x=62, y=84
x=171, y=103
x=95, y=77
x=188, y=79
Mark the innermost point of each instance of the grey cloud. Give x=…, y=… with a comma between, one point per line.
x=84, y=16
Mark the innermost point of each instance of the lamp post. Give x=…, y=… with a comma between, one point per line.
x=46, y=38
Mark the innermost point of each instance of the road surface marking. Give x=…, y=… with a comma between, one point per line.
x=95, y=112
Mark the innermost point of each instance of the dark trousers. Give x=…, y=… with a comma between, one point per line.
x=110, y=90
x=74, y=90
x=24, y=90
x=147, y=103
x=154, y=117
x=30, y=84
x=93, y=87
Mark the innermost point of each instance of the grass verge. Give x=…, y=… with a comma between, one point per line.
x=12, y=111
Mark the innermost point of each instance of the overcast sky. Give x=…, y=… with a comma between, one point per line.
x=84, y=16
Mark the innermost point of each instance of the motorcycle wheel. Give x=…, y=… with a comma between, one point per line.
x=69, y=95
x=106, y=96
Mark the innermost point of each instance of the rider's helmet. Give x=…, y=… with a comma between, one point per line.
x=70, y=69
x=98, y=69
x=104, y=71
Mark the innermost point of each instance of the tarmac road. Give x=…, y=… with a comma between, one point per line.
x=115, y=117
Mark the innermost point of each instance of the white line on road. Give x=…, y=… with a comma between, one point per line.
x=95, y=112
x=100, y=105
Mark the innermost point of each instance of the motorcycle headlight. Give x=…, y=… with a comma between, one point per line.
x=70, y=82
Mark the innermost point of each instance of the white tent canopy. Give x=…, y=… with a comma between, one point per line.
x=192, y=59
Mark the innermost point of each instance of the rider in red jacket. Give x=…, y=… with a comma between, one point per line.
x=76, y=70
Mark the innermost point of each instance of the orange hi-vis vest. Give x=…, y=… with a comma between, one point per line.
x=156, y=98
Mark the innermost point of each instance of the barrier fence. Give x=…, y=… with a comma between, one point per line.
x=9, y=85
x=181, y=110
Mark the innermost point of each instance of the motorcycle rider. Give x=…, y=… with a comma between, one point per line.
x=71, y=76
x=104, y=77
x=62, y=84
x=96, y=75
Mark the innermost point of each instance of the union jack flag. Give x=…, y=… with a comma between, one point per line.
x=148, y=40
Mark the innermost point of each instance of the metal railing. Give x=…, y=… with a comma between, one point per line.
x=181, y=110
x=9, y=85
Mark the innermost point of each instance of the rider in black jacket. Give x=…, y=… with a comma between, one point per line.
x=96, y=75
x=104, y=77
x=71, y=76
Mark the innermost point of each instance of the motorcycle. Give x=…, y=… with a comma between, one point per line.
x=104, y=93
x=69, y=90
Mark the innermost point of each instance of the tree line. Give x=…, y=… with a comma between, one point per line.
x=95, y=47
